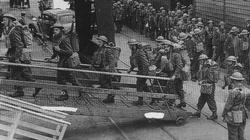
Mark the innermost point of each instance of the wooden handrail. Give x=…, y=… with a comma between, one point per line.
x=85, y=71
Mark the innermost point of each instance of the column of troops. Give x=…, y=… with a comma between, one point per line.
x=188, y=43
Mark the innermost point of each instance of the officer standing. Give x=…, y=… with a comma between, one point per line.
x=208, y=76
x=235, y=112
x=63, y=49
x=17, y=52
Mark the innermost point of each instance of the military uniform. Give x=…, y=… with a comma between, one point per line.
x=209, y=35
x=176, y=61
x=64, y=53
x=195, y=51
x=236, y=102
x=18, y=53
x=218, y=41
x=208, y=76
x=118, y=18
x=163, y=25
x=232, y=43
x=143, y=61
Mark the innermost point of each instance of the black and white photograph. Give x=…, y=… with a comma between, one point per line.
x=124, y=69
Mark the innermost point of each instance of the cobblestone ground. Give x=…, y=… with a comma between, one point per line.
x=97, y=128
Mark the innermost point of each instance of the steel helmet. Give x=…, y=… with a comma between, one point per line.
x=10, y=16
x=209, y=62
x=182, y=36
x=57, y=25
x=132, y=42
x=203, y=57
x=102, y=38
x=214, y=64
x=237, y=76
x=232, y=58
x=239, y=65
x=159, y=38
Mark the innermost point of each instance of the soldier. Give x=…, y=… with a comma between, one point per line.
x=143, y=61
x=142, y=14
x=163, y=24
x=231, y=61
x=118, y=17
x=177, y=62
x=244, y=48
x=235, y=112
x=218, y=42
x=232, y=43
x=248, y=25
x=1, y=23
x=192, y=26
x=152, y=24
x=18, y=52
x=133, y=44
x=184, y=23
x=44, y=5
x=208, y=77
x=195, y=52
x=209, y=35
x=63, y=49
x=23, y=18
x=108, y=64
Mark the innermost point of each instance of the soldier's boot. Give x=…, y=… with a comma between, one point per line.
x=197, y=114
x=110, y=99
x=213, y=116
x=64, y=96
x=37, y=90
x=138, y=102
x=17, y=94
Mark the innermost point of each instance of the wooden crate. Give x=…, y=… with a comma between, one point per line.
x=17, y=123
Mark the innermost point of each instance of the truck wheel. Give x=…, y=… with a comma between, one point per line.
x=180, y=120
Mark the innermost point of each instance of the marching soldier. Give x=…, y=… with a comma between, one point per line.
x=143, y=61
x=208, y=77
x=232, y=43
x=231, y=62
x=18, y=52
x=63, y=49
x=142, y=14
x=235, y=112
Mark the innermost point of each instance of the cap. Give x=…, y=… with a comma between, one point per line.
x=203, y=57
